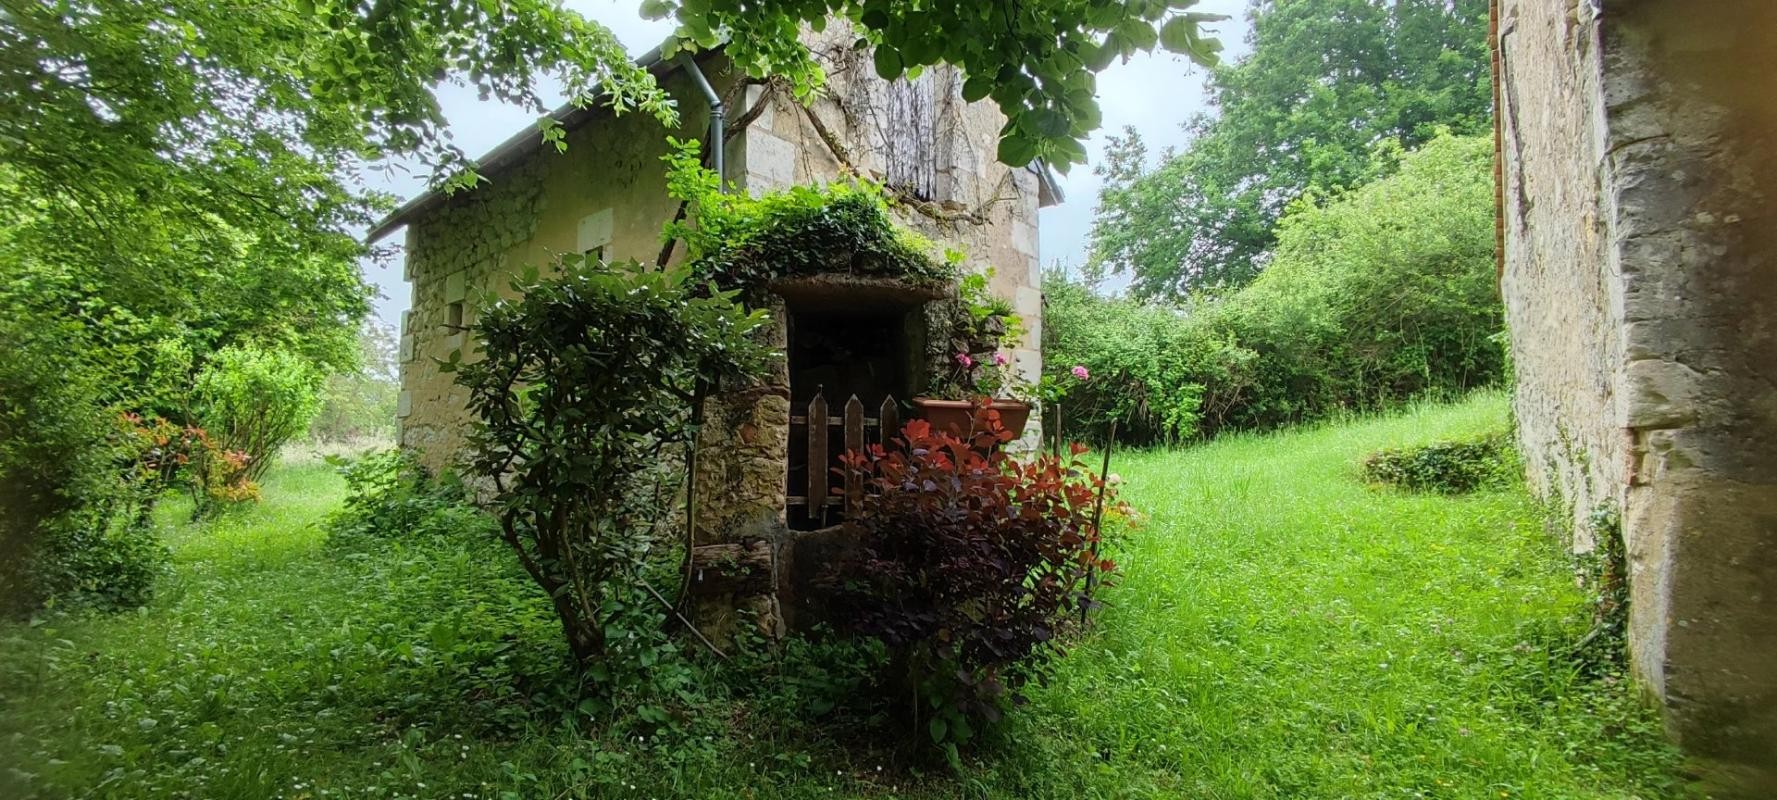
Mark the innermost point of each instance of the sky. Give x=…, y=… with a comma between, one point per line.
x=1154, y=93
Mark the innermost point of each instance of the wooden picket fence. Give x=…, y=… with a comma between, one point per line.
x=858, y=431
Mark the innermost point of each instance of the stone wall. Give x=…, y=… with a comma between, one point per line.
x=607, y=190
x=1639, y=144
x=986, y=209
x=983, y=208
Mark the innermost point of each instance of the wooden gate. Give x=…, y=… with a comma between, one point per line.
x=858, y=431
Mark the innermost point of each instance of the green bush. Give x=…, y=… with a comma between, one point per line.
x=741, y=242
x=66, y=536
x=1378, y=295
x=390, y=497
x=1157, y=365
x=94, y=561
x=586, y=381
x=1449, y=467
x=253, y=400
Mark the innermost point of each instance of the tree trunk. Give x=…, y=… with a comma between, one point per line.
x=586, y=639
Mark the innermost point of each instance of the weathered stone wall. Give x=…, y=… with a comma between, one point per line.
x=984, y=208
x=743, y=452
x=1639, y=152
x=608, y=189
x=1557, y=281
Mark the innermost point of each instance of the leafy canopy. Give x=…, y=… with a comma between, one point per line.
x=1327, y=82
x=1036, y=60
x=184, y=178
x=192, y=169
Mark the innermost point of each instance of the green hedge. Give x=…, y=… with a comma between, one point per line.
x=1381, y=294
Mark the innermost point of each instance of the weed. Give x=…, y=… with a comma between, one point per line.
x=1450, y=467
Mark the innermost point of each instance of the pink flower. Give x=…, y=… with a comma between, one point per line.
x=999, y=359
x=1080, y=372
x=965, y=360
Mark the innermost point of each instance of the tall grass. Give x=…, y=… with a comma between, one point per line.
x=1284, y=631
x=1279, y=630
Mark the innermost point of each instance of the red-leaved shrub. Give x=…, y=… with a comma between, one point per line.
x=967, y=561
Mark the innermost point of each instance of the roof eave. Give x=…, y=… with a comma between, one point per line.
x=1048, y=186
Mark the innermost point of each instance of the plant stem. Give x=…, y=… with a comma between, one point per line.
x=1104, y=476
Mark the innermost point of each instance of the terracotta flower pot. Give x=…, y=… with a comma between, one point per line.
x=956, y=416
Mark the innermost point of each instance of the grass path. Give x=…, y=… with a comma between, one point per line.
x=1279, y=631
x=1284, y=631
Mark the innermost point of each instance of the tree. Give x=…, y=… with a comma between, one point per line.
x=190, y=168
x=1037, y=60
x=181, y=178
x=184, y=177
x=1328, y=81
x=585, y=382
x=1380, y=294
x=361, y=403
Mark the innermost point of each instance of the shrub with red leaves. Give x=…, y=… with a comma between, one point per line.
x=967, y=561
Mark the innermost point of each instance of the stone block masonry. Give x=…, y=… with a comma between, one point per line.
x=1639, y=158
x=605, y=194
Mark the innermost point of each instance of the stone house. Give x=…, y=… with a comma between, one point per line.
x=1638, y=160
x=606, y=193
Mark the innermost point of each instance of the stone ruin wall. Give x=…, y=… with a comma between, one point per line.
x=1639, y=148
x=1557, y=280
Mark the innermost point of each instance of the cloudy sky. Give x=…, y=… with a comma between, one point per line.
x=1153, y=93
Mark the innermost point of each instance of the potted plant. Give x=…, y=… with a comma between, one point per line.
x=979, y=372
x=975, y=383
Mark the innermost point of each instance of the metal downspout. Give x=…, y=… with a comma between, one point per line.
x=718, y=162
x=718, y=119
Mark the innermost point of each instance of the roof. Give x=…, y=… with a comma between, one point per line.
x=572, y=115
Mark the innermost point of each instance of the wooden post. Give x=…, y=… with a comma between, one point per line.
x=888, y=422
x=699, y=393
x=1104, y=476
x=854, y=441
x=817, y=457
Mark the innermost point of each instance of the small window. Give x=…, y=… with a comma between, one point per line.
x=595, y=253
x=453, y=315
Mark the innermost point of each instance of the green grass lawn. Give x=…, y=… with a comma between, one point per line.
x=1279, y=630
